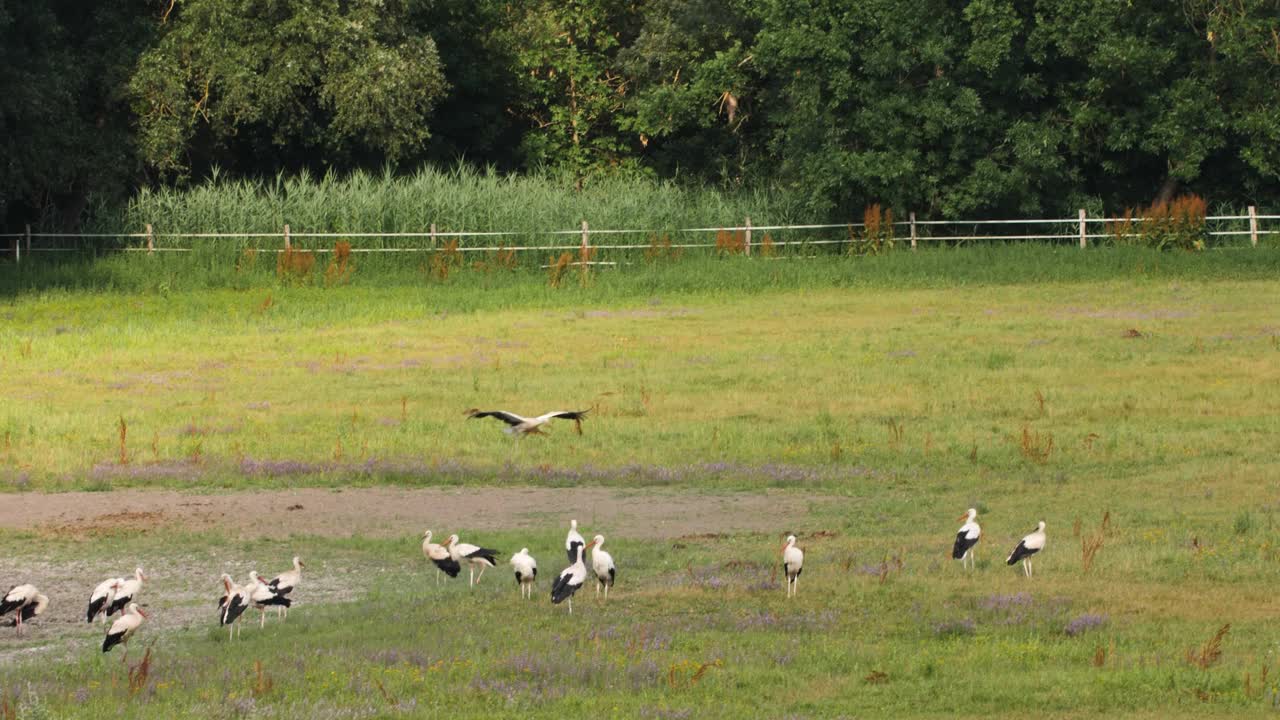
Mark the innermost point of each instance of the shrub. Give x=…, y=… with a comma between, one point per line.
x=1176, y=224
x=877, y=232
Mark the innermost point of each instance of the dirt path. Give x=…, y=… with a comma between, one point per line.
x=394, y=512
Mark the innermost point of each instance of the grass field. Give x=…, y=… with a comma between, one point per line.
x=890, y=394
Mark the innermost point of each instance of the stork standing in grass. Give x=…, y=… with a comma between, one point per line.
x=602, y=565
x=127, y=592
x=519, y=425
x=25, y=602
x=526, y=571
x=570, y=580
x=122, y=630
x=1029, y=545
x=473, y=555
x=231, y=606
x=439, y=555
x=284, y=583
x=262, y=597
x=966, y=539
x=101, y=599
x=573, y=541
x=792, y=564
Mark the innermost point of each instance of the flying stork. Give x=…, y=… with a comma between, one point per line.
x=966, y=539
x=518, y=425
x=1030, y=545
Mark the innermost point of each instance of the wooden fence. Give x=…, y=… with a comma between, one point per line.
x=1079, y=230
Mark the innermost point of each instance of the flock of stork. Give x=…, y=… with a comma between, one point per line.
x=119, y=595
x=449, y=556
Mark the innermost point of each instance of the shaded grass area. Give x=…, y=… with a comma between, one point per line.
x=884, y=623
x=482, y=281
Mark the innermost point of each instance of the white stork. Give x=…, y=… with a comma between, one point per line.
x=792, y=564
x=602, y=565
x=518, y=425
x=473, y=554
x=285, y=582
x=526, y=571
x=439, y=555
x=573, y=541
x=1030, y=545
x=101, y=599
x=262, y=597
x=571, y=578
x=127, y=592
x=232, y=604
x=122, y=630
x=966, y=539
x=25, y=602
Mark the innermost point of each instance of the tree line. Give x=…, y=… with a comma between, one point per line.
x=947, y=108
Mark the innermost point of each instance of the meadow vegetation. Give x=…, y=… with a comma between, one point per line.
x=1126, y=396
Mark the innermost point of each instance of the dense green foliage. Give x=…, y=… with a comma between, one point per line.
x=944, y=108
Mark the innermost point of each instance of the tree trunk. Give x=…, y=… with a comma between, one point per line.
x=1167, y=189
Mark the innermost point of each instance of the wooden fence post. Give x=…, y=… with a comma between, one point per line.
x=287, y=244
x=1084, y=240
x=913, y=230
x=746, y=247
x=586, y=248
x=433, y=236
x=151, y=240
x=1253, y=225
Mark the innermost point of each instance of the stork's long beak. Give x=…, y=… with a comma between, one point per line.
x=963, y=517
x=143, y=613
x=447, y=542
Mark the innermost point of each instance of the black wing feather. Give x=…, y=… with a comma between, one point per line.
x=487, y=554
x=448, y=565
x=963, y=544
x=234, y=610
x=111, y=641
x=1020, y=552
x=562, y=590
x=505, y=417
x=119, y=604
x=94, y=607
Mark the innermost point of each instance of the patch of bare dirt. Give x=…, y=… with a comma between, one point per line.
x=393, y=512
